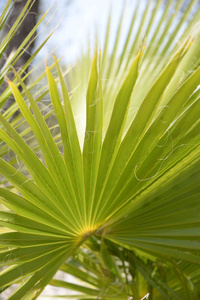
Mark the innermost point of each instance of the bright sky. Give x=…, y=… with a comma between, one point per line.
x=76, y=19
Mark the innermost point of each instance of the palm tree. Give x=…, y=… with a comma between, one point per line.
x=110, y=192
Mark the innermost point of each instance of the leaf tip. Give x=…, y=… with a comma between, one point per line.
x=46, y=63
x=141, y=51
x=8, y=80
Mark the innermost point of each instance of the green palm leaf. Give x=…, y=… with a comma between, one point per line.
x=116, y=205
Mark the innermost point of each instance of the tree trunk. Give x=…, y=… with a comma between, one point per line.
x=25, y=28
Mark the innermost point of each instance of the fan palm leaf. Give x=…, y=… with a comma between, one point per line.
x=115, y=203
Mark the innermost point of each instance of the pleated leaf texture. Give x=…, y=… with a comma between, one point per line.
x=104, y=184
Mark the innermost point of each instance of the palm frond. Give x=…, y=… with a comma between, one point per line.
x=113, y=197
